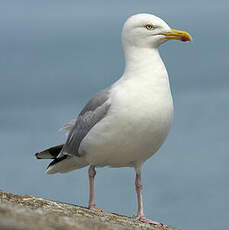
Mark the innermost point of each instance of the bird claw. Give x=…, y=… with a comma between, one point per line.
x=94, y=208
x=145, y=220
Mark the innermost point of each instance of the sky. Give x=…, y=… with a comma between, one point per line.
x=55, y=55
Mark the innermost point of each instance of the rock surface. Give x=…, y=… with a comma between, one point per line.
x=32, y=213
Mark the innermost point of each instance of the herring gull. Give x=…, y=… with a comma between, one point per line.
x=126, y=123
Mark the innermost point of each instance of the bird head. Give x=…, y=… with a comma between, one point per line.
x=149, y=31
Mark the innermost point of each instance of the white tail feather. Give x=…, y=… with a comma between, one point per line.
x=67, y=165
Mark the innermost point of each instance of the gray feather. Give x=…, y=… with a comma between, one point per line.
x=93, y=112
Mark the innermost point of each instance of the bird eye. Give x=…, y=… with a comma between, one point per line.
x=149, y=27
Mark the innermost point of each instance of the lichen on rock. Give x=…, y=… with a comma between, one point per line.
x=32, y=213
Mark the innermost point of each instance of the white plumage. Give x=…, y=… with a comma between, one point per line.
x=139, y=118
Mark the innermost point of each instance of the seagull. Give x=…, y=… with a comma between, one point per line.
x=126, y=123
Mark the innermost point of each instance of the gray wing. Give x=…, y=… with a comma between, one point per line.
x=92, y=113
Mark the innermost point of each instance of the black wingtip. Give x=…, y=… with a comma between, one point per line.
x=55, y=161
x=50, y=153
x=37, y=156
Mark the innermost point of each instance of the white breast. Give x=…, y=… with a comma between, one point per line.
x=140, y=115
x=137, y=124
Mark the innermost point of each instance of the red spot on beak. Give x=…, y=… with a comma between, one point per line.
x=184, y=39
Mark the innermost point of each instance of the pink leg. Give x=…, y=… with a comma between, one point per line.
x=140, y=215
x=92, y=205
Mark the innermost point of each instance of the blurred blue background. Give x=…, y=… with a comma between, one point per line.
x=55, y=55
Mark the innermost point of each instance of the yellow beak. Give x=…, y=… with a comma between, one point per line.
x=178, y=35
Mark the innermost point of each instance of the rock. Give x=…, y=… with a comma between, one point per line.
x=32, y=213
